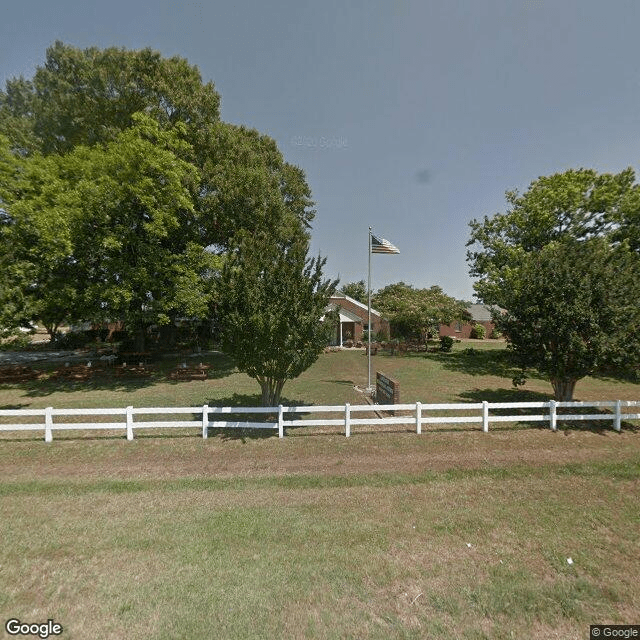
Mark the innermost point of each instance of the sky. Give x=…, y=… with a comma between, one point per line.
x=410, y=116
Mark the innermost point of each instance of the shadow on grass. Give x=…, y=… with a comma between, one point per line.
x=221, y=366
x=249, y=400
x=475, y=362
x=45, y=387
x=521, y=395
x=504, y=395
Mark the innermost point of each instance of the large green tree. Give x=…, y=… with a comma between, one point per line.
x=416, y=313
x=273, y=300
x=88, y=96
x=103, y=232
x=123, y=153
x=559, y=262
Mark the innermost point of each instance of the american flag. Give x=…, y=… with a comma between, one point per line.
x=380, y=245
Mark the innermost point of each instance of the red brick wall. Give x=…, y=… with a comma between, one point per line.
x=377, y=322
x=465, y=329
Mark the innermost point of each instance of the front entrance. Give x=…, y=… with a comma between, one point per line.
x=346, y=331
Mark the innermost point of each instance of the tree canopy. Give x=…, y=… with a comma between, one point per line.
x=87, y=96
x=416, y=313
x=273, y=299
x=561, y=263
x=121, y=190
x=356, y=290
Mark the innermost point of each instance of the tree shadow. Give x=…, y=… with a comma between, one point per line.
x=15, y=406
x=523, y=395
x=45, y=387
x=221, y=366
x=250, y=400
x=475, y=362
x=504, y=395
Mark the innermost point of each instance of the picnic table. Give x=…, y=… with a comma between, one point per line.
x=17, y=373
x=136, y=356
x=183, y=372
x=78, y=372
x=132, y=370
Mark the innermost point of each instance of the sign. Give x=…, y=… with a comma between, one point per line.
x=387, y=390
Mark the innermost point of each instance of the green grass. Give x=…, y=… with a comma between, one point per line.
x=460, y=376
x=363, y=557
x=452, y=534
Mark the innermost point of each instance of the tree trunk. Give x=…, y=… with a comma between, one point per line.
x=140, y=336
x=271, y=391
x=168, y=335
x=52, y=330
x=563, y=389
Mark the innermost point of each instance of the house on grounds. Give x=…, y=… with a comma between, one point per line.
x=354, y=320
x=480, y=314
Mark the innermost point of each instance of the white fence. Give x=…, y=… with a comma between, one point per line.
x=415, y=415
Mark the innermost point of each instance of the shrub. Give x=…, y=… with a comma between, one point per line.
x=17, y=342
x=479, y=332
x=75, y=339
x=446, y=344
x=381, y=336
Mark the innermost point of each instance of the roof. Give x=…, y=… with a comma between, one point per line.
x=335, y=299
x=346, y=316
x=481, y=312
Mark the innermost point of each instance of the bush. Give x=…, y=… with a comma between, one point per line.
x=495, y=334
x=17, y=342
x=75, y=339
x=479, y=332
x=446, y=343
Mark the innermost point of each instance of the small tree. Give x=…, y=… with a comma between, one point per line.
x=356, y=290
x=570, y=313
x=479, y=331
x=415, y=313
x=558, y=261
x=272, y=301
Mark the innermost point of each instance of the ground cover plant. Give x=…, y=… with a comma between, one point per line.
x=451, y=534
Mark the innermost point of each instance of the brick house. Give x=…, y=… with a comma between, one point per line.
x=354, y=319
x=480, y=314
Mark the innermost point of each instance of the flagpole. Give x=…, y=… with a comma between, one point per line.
x=369, y=318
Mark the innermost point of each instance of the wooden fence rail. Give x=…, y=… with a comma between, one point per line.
x=281, y=417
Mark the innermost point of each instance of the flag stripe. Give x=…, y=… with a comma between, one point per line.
x=380, y=245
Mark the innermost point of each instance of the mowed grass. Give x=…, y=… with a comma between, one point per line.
x=474, y=554
x=451, y=534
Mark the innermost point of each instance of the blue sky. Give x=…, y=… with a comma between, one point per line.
x=412, y=116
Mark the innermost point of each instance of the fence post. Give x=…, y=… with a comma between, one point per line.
x=617, y=421
x=280, y=420
x=485, y=416
x=129, y=423
x=418, y=418
x=48, y=424
x=553, y=416
x=205, y=421
x=347, y=420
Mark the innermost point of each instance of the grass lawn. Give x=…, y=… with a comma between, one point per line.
x=451, y=534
